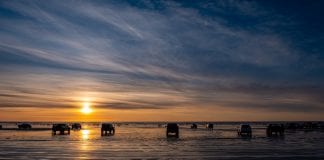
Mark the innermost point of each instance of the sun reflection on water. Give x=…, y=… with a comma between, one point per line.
x=85, y=134
x=84, y=145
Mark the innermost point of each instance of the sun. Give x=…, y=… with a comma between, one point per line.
x=86, y=108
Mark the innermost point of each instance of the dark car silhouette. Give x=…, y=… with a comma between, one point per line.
x=275, y=129
x=0, y=126
x=61, y=127
x=107, y=129
x=321, y=125
x=76, y=126
x=309, y=126
x=172, y=130
x=194, y=126
x=24, y=126
x=210, y=126
x=244, y=130
x=293, y=126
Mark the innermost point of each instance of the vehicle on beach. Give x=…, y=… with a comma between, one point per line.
x=76, y=126
x=275, y=129
x=107, y=129
x=321, y=125
x=244, y=130
x=24, y=126
x=210, y=126
x=309, y=126
x=61, y=127
x=194, y=126
x=293, y=126
x=172, y=130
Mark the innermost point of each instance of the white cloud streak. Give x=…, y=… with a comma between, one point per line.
x=171, y=54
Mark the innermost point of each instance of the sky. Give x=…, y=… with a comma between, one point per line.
x=161, y=60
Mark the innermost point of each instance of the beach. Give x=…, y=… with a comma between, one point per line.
x=148, y=141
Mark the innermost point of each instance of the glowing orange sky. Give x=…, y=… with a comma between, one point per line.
x=175, y=114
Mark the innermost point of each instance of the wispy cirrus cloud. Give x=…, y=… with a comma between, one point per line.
x=224, y=53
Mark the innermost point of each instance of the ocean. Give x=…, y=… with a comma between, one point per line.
x=148, y=141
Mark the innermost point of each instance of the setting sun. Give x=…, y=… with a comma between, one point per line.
x=86, y=108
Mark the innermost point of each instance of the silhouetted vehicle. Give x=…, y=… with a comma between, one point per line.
x=194, y=126
x=172, y=130
x=309, y=126
x=275, y=129
x=210, y=126
x=244, y=129
x=24, y=126
x=61, y=127
x=0, y=126
x=76, y=126
x=293, y=126
x=107, y=129
x=321, y=125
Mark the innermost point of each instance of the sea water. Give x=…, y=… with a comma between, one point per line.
x=148, y=141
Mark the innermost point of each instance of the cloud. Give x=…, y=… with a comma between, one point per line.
x=54, y=53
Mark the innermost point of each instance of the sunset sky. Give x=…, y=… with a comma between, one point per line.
x=161, y=60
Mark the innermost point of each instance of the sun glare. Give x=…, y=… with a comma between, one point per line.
x=85, y=134
x=86, y=108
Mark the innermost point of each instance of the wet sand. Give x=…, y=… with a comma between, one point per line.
x=33, y=129
x=148, y=141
